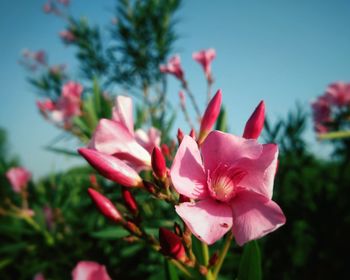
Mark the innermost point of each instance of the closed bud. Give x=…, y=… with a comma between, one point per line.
x=166, y=151
x=210, y=116
x=130, y=201
x=180, y=136
x=255, y=124
x=177, y=229
x=150, y=187
x=105, y=206
x=184, y=198
x=171, y=245
x=213, y=260
x=112, y=168
x=193, y=134
x=158, y=164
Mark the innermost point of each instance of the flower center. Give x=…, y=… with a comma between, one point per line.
x=223, y=181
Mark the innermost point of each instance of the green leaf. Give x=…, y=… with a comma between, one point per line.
x=62, y=151
x=221, y=123
x=170, y=271
x=110, y=233
x=250, y=265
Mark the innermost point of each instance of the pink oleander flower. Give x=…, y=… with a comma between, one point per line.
x=112, y=168
x=255, y=124
x=173, y=67
x=67, y=36
x=117, y=137
x=210, y=116
x=231, y=179
x=67, y=106
x=205, y=58
x=88, y=270
x=338, y=94
x=19, y=178
x=321, y=110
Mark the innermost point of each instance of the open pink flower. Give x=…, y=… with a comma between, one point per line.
x=205, y=58
x=338, y=94
x=173, y=67
x=18, y=177
x=88, y=270
x=67, y=106
x=117, y=137
x=231, y=179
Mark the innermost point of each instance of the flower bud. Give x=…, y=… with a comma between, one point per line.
x=130, y=201
x=255, y=124
x=210, y=116
x=105, y=206
x=166, y=151
x=171, y=244
x=158, y=163
x=180, y=135
x=112, y=168
x=150, y=187
x=193, y=134
x=18, y=178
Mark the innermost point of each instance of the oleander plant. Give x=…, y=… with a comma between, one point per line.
x=156, y=201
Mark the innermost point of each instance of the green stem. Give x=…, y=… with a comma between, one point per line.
x=49, y=239
x=334, y=135
x=222, y=255
x=205, y=252
x=182, y=268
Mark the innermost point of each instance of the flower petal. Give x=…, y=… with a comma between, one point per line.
x=208, y=220
x=260, y=172
x=122, y=112
x=113, y=138
x=88, y=270
x=254, y=216
x=187, y=173
x=224, y=148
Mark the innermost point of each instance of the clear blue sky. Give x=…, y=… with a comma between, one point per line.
x=279, y=51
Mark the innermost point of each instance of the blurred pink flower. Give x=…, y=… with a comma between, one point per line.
x=338, y=94
x=40, y=57
x=205, y=58
x=67, y=36
x=49, y=216
x=88, y=270
x=18, y=177
x=231, y=179
x=64, y=2
x=39, y=276
x=173, y=67
x=117, y=137
x=321, y=110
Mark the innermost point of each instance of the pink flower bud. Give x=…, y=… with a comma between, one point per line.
x=193, y=134
x=158, y=163
x=88, y=270
x=210, y=116
x=18, y=178
x=112, y=168
x=166, y=151
x=255, y=124
x=180, y=136
x=171, y=244
x=130, y=201
x=105, y=206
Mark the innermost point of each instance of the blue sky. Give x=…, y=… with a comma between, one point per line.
x=279, y=51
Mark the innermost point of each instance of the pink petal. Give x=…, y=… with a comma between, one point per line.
x=254, y=216
x=208, y=220
x=111, y=138
x=224, y=148
x=187, y=173
x=123, y=113
x=18, y=178
x=87, y=270
x=260, y=172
